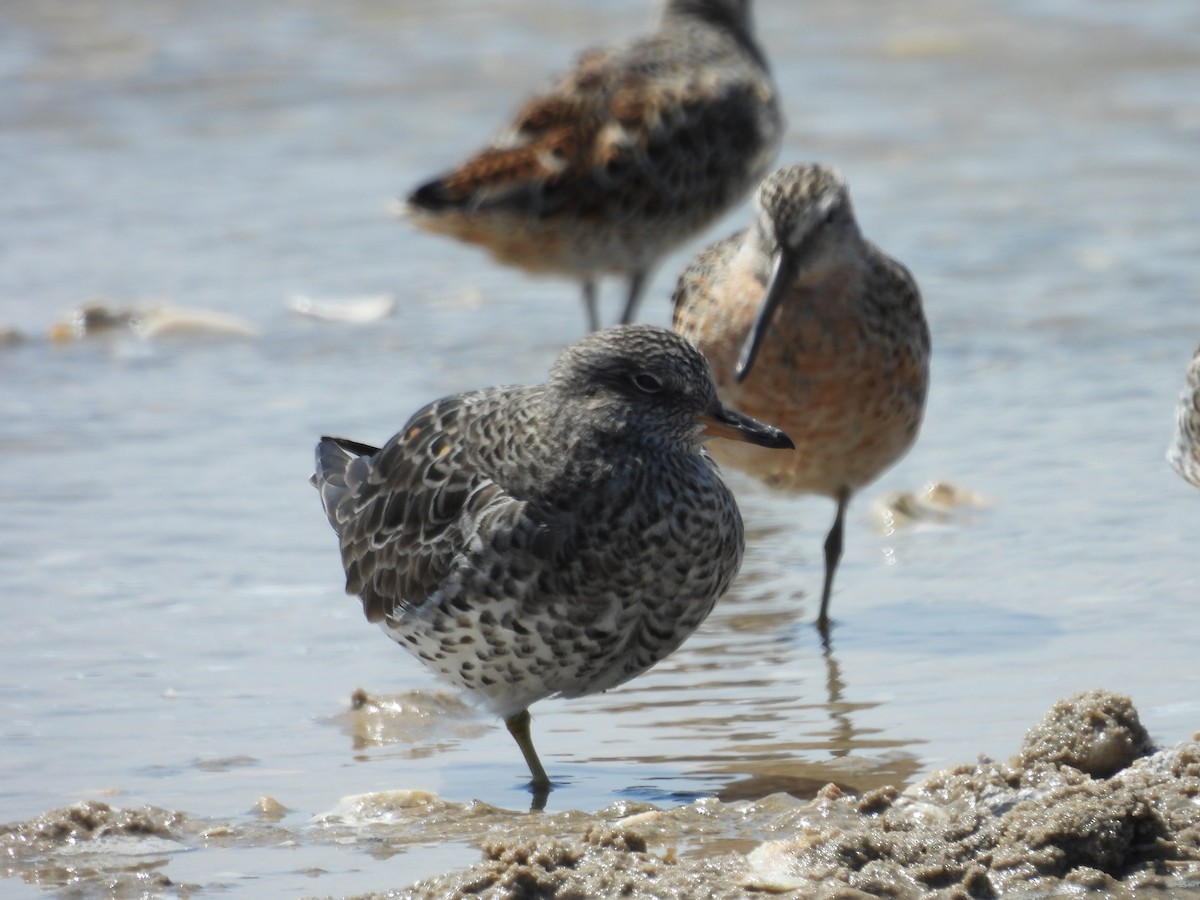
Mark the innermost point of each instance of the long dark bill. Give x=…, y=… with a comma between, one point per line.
x=781, y=278
x=735, y=426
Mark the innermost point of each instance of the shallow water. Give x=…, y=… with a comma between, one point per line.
x=175, y=628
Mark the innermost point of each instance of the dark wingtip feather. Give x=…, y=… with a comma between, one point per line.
x=358, y=448
x=433, y=196
x=333, y=457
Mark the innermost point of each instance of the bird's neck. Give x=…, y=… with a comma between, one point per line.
x=731, y=17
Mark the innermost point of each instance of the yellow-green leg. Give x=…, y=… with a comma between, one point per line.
x=518, y=727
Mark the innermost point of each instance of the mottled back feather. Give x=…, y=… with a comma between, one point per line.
x=404, y=512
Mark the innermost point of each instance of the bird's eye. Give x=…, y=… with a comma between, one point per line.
x=647, y=383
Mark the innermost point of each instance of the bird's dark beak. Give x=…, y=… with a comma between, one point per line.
x=787, y=263
x=727, y=423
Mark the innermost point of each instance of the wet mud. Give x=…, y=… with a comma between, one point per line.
x=1088, y=806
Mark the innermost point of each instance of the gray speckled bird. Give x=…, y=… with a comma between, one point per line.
x=547, y=540
x=634, y=151
x=809, y=325
x=1184, y=452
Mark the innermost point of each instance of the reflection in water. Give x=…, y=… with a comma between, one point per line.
x=777, y=770
x=834, y=687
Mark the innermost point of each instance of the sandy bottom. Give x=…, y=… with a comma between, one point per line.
x=1088, y=805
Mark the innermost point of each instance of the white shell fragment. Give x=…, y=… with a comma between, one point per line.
x=355, y=310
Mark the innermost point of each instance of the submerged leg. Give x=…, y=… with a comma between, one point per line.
x=518, y=727
x=590, y=304
x=833, y=554
x=637, y=286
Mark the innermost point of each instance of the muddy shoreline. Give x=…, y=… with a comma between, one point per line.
x=1088, y=805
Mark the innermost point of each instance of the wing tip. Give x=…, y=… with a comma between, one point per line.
x=432, y=197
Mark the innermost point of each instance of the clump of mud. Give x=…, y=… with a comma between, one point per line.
x=1087, y=805
x=93, y=844
x=93, y=849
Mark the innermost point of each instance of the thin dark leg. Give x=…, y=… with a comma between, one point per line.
x=591, y=305
x=637, y=286
x=833, y=554
x=518, y=727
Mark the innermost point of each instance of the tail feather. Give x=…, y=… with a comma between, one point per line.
x=518, y=179
x=336, y=477
x=433, y=196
